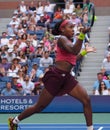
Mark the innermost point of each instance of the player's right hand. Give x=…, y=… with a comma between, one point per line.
x=85, y=30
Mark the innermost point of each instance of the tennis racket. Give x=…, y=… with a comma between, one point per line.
x=88, y=16
x=91, y=15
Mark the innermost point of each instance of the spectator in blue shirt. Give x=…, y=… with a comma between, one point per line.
x=98, y=81
x=8, y=91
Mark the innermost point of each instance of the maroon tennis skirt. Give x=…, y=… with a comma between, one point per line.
x=58, y=82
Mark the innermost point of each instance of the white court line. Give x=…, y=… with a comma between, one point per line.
x=100, y=128
x=77, y=127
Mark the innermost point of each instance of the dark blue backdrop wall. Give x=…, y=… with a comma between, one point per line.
x=15, y=104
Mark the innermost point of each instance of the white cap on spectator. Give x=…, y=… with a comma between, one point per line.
x=10, y=38
x=18, y=58
x=42, y=15
x=41, y=41
x=38, y=46
x=35, y=11
x=74, y=23
x=13, y=35
x=10, y=50
x=14, y=17
x=15, y=76
x=74, y=13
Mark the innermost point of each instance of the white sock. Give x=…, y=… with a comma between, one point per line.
x=16, y=120
x=90, y=127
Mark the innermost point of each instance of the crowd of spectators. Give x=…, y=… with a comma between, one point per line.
x=27, y=48
x=102, y=85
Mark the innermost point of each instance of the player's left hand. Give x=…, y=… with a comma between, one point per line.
x=89, y=49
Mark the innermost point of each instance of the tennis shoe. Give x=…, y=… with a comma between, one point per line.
x=11, y=125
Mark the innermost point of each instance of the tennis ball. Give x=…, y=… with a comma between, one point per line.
x=95, y=18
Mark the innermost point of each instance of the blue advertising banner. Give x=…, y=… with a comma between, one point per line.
x=15, y=104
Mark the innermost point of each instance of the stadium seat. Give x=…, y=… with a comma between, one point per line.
x=50, y=14
x=40, y=34
x=39, y=37
x=2, y=85
x=36, y=60
x=30, y=32
x=5, y=79
x=41, y=24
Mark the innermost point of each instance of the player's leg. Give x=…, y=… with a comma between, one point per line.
x=80, y=94
x=43, y=101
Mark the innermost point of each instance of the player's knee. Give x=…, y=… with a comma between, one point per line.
x=86, y=100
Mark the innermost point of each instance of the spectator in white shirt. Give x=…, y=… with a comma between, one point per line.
x=10, y=55
x=107, y=51
x=28, y=86
x=21, y=76
x=14, y=21
x=46, y=61
x=35, y=17
x=10, y=43
x=22, y=7
x=12, y=71
x=39, y=8
x=71, y=6
x=35, y=41
x=106, y=64
x=49, y=7
x=102, y=89
x=4, y=40
x=21, y=44
x=67, y=9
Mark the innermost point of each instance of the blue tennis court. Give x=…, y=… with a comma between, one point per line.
x=56, y=127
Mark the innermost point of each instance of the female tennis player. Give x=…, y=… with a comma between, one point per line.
x=58, y=80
